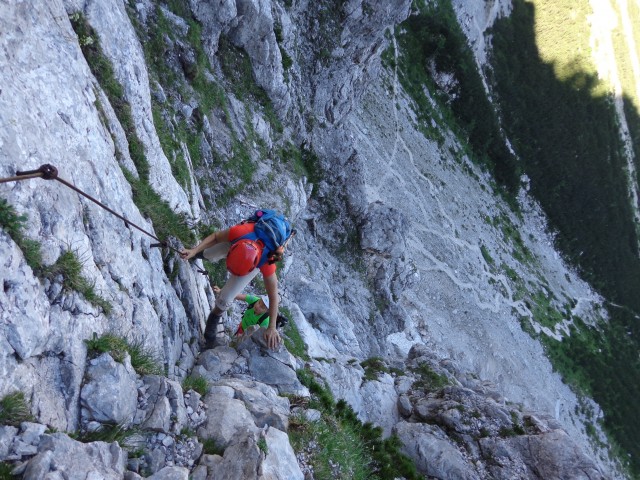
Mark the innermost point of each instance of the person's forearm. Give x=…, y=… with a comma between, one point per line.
x=273, y=311
x=209, y=241
x=213, y=239
x=271, y=285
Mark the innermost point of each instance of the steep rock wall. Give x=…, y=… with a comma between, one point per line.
x=50, y=113
x=389, y=251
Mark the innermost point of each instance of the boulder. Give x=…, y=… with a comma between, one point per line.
x=273, y=372
x=227, y=419
x=160, y=418
x=241, y=460
x=549, y=455
x=7, y=435
x=261, y=400
x=432, y=452
x=61, y=457
x=110, y=395
x=170, y=473
x=383, y=231
x=165, y=409
x=280, y=461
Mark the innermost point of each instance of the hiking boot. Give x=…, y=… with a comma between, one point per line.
x=211, y=331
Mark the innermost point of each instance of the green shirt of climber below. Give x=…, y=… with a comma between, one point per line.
x=257, y=312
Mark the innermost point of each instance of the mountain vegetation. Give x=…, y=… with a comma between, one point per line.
x=564, y=129
x=560, y=120
x=536, y=117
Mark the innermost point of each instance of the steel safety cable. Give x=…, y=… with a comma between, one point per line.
x=49, y=172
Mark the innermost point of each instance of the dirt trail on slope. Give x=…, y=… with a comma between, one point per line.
x=464, y=307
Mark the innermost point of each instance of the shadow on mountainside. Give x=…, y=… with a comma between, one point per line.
x=568, y=139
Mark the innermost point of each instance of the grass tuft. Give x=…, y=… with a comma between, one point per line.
x=210, y=447
x=14, y=410
x=292, y=339
x=166, y=222
x=70, y=267
x=5, y=471
x=197, y=384
x=429, y=379
x=373, y=367
x=143, y=360
x=109, y=433
x=346, y=448
x=13, y=224
x=262, y=445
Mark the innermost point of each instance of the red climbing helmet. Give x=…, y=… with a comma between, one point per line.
x=243, y=257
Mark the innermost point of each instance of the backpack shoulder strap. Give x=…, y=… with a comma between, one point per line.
x=263, y=317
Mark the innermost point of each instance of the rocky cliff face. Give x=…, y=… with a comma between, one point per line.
x=397, y=239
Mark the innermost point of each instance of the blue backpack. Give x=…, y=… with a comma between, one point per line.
x=272, y=228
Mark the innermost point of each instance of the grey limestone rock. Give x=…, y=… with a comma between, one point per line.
x=227, y=418
x=199, y=473
x=255, y=33
x=61, y=457
x=280, y=460
x=244, y=460
x=549, y=455
x=217, y=361
x=384, y=230
x=7, y=435
x=266, y=407
x=354, y=117
x=273, y=372
x=241, y=459
x=164, y=405
x=275, y=368
x=171, y=473
x=404, y=406
x=432, y=452
x=110, y=395
x=160, y=418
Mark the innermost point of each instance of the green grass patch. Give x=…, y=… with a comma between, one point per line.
x=431, y=38
x=543, y=311
x=511, y=234
x=373, y=368
x=14, y=224
x=69, y=266
x=172, y=147
x=322, y=396
x=109, y=433
x=166, y=222
x=554, y=106
x=241, y=163
x=5, y=471
x=210, y=447
x=291, y=155
x=292, y=339
x=487, y=256
x=236, y=67
x=143, y=360
x=14, y=409
x=429, y=380
x=594, y=361
x=103, y=71
x=340, y=453
x=197, y=384
x=160, y=36
x=262, y=445
x=346, y=448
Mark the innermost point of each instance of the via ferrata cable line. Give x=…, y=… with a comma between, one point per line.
x=49, y=172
